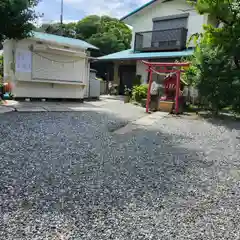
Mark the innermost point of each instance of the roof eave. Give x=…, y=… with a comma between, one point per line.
x=33, y=37
x=93, y=48
x=184, y=54
x=140, y=58
x=54, y=42
x=137, y=10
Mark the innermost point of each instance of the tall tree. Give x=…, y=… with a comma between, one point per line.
x=1, y=66
x=228, y=33
x=16, y=18
x=109, y=34
x=88, y=26
x=215, y=66
x=66, y=30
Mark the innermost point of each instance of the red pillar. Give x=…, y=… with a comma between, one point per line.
x=177, y=92
x=149, y=88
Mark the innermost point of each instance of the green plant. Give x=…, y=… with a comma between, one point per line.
x=1, y=66
x=18, y=18
x=127, y=91
x=139, y=92
x=215, y=67
x=113, y=89
x=213, y=76
x=137, y=80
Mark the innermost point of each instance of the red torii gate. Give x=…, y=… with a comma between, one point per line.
x=152, y=68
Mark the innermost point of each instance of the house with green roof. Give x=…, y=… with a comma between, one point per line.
x=47, y=66
x=161, y=30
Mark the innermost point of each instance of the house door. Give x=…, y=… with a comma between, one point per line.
x=127, y=75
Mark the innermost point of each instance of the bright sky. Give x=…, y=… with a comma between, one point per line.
x=77, y=9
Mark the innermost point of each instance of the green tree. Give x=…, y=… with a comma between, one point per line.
x=16, y=18
x=215, y=66
x=1, y=66
x=88, y=26
x=212, y=76
x=227, y=13
x=66, y=30
x=108, y=34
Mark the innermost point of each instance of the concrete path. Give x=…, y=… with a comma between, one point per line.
x=4, y=109
x=111, y=104
x=143, y=122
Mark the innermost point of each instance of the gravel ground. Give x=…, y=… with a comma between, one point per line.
x=68, y=176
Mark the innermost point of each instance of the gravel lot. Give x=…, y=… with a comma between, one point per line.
x=68, y=176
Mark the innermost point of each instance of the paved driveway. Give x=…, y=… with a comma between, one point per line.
x=67, y=175
x=112, y=104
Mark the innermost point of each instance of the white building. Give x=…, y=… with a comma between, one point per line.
x=47, y=66
x=161, y=30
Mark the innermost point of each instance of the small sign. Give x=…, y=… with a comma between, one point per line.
x=23, y=61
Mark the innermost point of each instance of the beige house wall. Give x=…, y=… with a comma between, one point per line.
x=143, y=20
x=47, y=79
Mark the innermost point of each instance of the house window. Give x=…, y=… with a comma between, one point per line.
x=170, y=24
x=167, y=31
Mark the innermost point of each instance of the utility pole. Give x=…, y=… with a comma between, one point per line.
x=61, y=16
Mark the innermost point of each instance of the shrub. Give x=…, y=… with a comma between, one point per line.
x=212, y=73
x=139, y=92
x=137, y=80
x=127, y=91
x=1, y=66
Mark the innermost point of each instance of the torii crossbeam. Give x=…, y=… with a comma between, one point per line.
x=165, y=69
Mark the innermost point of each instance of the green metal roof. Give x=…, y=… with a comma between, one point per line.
x=130, y=54
x=138, y=9
x=62, y=40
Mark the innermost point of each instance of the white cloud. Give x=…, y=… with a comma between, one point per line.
x=114, y=8
x=77, y=9
x=41, y=21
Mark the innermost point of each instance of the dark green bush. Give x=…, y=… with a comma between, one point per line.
x=139, y=92
x=137, y=80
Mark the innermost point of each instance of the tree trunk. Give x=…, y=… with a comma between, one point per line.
x=215, y=110
x=236, y=61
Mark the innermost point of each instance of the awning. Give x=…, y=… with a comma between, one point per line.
x=131, y=55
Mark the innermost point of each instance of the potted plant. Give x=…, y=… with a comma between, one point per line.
x=127, y=94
